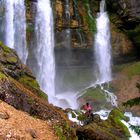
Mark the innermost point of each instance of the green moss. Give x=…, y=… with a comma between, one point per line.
x=5, y=48
x=30, y=29
x=132, y=69
x=89, y=18
x=33, y=85
x=29, y=81
x=116, y=116
x=2, y=75
x=95, y=93
x=59, y=133
x=43, y=95
x=11, y=59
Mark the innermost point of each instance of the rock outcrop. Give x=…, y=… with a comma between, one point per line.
x=19, y=88
x=110, y=129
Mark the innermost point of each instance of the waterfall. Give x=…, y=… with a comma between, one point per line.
x=103, y=46
x=20, y=30
x=15, y=27
x=45, y=48
x=103, y=52
x=9, y=23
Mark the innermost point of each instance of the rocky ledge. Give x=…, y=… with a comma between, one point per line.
x=19, y=88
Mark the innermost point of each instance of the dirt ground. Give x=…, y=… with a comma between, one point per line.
x=126, y=90
x=18, y=125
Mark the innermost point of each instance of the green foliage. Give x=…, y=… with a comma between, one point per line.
x=116, y=113
x=135, y=101
x=132, y=69
x=90, y=19
x=59, y=132
x=73, y=114
x=132, y=102
x=134, y=35
x=43, y=95
x=136, y=129
x=116, y=116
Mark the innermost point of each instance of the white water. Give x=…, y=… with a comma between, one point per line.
x=103, y=46
x=133, y=121
x=45, y=48
x=9, y=23
x=15, y=27
x=67, y=100
x=20, y=30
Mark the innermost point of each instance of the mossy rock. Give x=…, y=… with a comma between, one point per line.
x=5, y=48
x=115, y=118
x=2, y=76
x=96, y=97
x=32, y=84
x=12, y=60
x=110, y=129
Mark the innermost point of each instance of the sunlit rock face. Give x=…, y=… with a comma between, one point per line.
x=79, y=18
x=74, y=26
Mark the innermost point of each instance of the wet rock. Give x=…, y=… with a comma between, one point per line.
x=110, y=129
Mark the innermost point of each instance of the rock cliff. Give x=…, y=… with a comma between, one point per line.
x=19, y=88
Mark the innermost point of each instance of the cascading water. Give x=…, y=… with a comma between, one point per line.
x=20, y=30
x=103, y=52
x=103, y=46
x=15, y=27
x=9, y=23
x=45, y=48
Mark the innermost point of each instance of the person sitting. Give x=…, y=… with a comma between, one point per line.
x=87, y=107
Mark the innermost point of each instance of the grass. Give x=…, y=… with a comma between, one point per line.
x=96, y=93
x=59, y=133
x=132, y=70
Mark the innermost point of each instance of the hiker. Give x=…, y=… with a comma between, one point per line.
x=87, y=107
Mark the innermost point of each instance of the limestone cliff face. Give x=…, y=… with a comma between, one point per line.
x=125, y=14
x=75, y=24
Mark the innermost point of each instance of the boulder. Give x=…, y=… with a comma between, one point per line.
x=110, y=129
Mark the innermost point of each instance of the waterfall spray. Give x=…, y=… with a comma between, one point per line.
x=9, y=23
x=15, y=27
x=103, y=46
x=45, y=48
x=20, y=30
x=103, y=52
